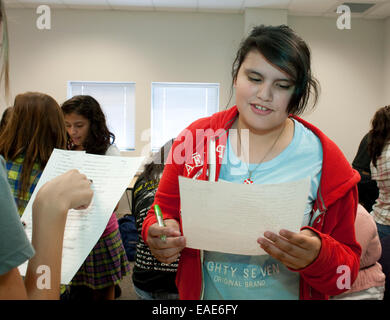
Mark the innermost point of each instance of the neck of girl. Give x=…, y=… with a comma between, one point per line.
x=255, y=146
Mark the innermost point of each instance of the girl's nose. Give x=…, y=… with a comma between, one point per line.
x=72, y=130
x=264, y=92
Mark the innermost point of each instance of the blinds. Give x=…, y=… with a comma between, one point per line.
x=117, y=100
x=176, y=105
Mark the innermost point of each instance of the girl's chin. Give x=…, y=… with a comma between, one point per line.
x=262, y=126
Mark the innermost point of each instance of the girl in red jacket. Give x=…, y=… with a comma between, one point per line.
x=273, y=82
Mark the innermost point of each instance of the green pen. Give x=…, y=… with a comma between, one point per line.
x=160, y=220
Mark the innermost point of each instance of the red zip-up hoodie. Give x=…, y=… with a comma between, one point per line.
x=333, y=213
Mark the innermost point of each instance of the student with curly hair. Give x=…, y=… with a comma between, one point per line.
x=107, y=263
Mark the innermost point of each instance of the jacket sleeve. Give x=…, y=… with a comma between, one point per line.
x=337, y=265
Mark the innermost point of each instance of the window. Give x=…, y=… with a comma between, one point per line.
x=117, y=100
x=176, y=105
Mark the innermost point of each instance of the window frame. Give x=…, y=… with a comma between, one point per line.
x=216, y=85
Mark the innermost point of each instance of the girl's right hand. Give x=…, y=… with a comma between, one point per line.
x=168, y=250
x=70, y=190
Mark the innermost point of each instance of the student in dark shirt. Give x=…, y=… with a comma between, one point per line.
x=151, y=278
x=367, y=188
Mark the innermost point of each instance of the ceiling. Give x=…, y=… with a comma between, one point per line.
x=380, y=9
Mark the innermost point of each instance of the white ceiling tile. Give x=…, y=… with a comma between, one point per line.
x=175, y=4
x=218, y=4
x=36, y=3
x=86, y=2
x=227, y=10
x=295, y=7
x=88, y=7
x=48, y=2
x=130, y=3
x=174, y=9
x=12, y=4
x=268, y=4
x=132, y=8
x=381, y=10
x=310, y=6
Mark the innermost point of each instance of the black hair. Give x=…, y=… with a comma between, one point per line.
x=282, y=47
x=153, y=169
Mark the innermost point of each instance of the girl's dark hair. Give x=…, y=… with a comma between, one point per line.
x=282, y=47
x=153, y=170
x=98, y=139
x=379, y=133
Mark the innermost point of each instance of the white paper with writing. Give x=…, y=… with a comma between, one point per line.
x=111, y=175
x=228, y=217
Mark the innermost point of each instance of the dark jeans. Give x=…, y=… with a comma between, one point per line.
x=144, y=295
x=383, y=230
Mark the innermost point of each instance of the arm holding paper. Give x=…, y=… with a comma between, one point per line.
x=50, y=208
x=56, y=197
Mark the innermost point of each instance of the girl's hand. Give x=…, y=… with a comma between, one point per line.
x=71, y=190
x=168, y=250
x=294, y=250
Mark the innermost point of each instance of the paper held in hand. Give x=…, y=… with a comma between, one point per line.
x=228, y=217
x=110, y=175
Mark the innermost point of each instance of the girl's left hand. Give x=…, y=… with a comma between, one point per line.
x=294, y=250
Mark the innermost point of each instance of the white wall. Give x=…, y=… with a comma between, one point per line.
x=162, y=46
x=255, y=16
x=142, y=47
x=349, y=65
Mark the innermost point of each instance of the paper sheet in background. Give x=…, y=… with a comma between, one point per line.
x=111, y=175
x=228, y=217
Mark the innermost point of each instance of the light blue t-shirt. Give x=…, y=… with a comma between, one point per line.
x=231, y=276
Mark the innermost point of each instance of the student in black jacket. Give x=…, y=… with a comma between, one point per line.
x=151, y=278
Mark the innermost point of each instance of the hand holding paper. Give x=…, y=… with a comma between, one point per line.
x=227, y=217
x=70, y=190
x=110, y=175
x=295, y=250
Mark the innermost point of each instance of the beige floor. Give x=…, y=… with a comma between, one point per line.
x=127, y=288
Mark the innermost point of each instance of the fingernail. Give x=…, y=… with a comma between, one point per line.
x=268, y=234
x=283, y=232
